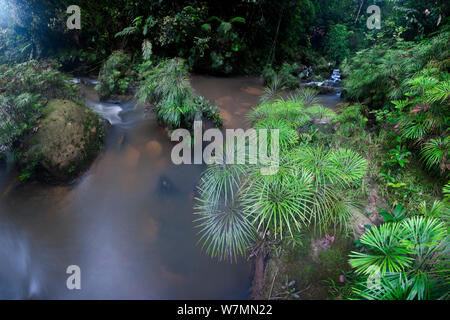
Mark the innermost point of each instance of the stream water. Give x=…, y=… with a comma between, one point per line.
x=127, y=223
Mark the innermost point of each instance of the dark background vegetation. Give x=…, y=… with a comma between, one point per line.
x=236, y=36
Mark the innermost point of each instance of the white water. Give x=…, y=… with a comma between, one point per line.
x=334, y=80
x=108, y=111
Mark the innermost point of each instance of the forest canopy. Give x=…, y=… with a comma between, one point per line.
x=236, y=36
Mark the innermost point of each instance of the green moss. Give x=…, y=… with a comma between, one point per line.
x=68, y=139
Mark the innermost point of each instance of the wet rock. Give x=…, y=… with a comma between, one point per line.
x=119, y=99
x=153, y=148
x=165, y=185
x=131, y=157
x=68, y=138
x=326, y=89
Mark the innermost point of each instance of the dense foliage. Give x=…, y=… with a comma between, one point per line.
x=409, y=86
x=405, y=258
x=24, y=91
x=311, y=187
x=167, y=87
x=236, y=36
x=115, y=75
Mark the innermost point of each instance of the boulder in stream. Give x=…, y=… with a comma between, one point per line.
x=68, y=138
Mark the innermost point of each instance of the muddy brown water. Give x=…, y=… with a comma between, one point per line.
x=127, y=223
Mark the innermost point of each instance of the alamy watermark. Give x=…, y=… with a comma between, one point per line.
x=374, y=21
x=74, y=20
x=374, y=280
x=74, y=280
x=239, y=147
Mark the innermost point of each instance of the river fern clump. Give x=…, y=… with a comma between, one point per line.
x=167, y=87
x=115, y=76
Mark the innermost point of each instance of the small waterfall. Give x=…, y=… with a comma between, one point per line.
x=87, y=81
x=335, y=78
x=333, y=81
x=108, y=111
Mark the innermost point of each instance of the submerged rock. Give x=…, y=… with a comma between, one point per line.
x=165, y=185
x=153, y=148
x=68, y=138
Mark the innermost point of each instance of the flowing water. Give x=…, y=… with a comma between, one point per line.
x=127, y=223
x=333, y=81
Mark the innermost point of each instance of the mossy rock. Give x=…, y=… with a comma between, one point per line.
x=69, y=137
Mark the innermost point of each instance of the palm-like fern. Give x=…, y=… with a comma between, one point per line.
x=307, y=95
x=387, y=253
x=341, y=166
x=168, y=87
x=310, y=185
x=320, y=112
x=434, y=153
x=291, y=110
x=435, y=210
x=446, y=192
x=225, y=232
x=287, y=135
x=273, y=91
x=414, y=251
x=393, y=287
x=283, y=204
x=220, y=182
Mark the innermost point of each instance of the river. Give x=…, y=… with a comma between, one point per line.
x=127, y=222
